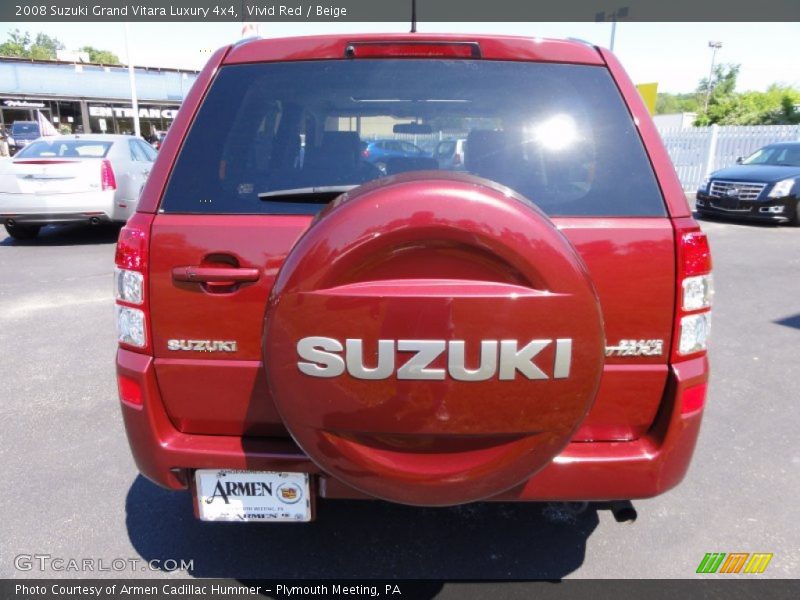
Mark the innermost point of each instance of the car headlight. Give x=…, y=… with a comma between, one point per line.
x=781, y=189
x=704, y=186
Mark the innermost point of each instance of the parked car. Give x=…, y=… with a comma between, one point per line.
x=72, y=179
x=22, y=133
x=380, y=152
x=156, y=139
x=534, y=328
x=450, y=154
x=762, y=187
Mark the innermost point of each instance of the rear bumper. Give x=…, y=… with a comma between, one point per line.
x=642, y=468
x=45, y=219
x=72, y=207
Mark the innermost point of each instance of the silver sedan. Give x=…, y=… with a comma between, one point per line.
x=72, y=178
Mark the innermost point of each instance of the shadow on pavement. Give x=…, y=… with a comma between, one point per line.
x=69, y=235
x=365, y=539
x=793, y=321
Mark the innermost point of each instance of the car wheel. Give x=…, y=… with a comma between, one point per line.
x=796, y=220
x=23, y=232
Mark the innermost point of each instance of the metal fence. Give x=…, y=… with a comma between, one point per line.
x=698, y=151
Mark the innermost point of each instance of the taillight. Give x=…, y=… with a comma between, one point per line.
x=365, y=153
x=107, y=179
x=413, y=50
x=694, y=294
x=130, y=282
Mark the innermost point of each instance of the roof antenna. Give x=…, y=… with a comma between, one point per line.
x=413, y=16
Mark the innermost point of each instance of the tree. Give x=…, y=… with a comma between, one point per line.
x=779, y=105
x=16, y=45
x=104, y=57
x=720, y=90
x=676, y=103
x=723, y=80
x=44, y=47
x=776, y=106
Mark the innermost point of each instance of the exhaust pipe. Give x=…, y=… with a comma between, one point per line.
x=94, y=221
x=623, y=511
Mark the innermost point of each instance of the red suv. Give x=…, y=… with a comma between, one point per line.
x=296, y=323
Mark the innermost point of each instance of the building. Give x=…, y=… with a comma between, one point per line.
x=675, y=120
x=83, y=98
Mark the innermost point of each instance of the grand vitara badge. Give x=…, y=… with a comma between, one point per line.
x=636, y=348
x=412, y=359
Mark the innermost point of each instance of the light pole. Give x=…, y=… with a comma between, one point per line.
x=619, y=13
x=132, y=78
x=714, y=47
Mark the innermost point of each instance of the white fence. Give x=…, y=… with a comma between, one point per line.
x=697, y=151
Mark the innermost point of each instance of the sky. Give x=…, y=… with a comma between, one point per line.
x=675, y=55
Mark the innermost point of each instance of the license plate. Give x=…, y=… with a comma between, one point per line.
x=243, y=496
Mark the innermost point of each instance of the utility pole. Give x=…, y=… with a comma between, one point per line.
x=619, y=13
x=714, y=47
x=132, y=77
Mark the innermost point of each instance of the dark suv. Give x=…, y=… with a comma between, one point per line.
x=295, y=323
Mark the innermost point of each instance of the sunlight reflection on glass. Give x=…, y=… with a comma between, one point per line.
x=556, y=133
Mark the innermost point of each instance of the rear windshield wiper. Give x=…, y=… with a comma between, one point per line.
x=314, y=195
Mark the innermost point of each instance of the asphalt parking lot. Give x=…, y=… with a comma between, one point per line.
x=71, y=490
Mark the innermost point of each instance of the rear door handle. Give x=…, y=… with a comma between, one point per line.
x=229, y=275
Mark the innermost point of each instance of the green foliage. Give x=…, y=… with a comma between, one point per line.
x=43, y=47
x=17, y=44
x=726, y=106
x=777, y=106
x=100, y=56
x=676, y=103
x=723, y=81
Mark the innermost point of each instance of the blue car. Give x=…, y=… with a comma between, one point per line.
x=380, y=152
x=22, y=134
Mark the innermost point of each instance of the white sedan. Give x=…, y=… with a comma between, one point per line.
x=73, y=179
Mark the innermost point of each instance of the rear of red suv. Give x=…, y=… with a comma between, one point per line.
x=296, y=323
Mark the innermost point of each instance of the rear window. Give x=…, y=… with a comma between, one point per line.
x=286, y=137
x=65, y=149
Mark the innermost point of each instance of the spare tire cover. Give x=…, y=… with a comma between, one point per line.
x=433, y=339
